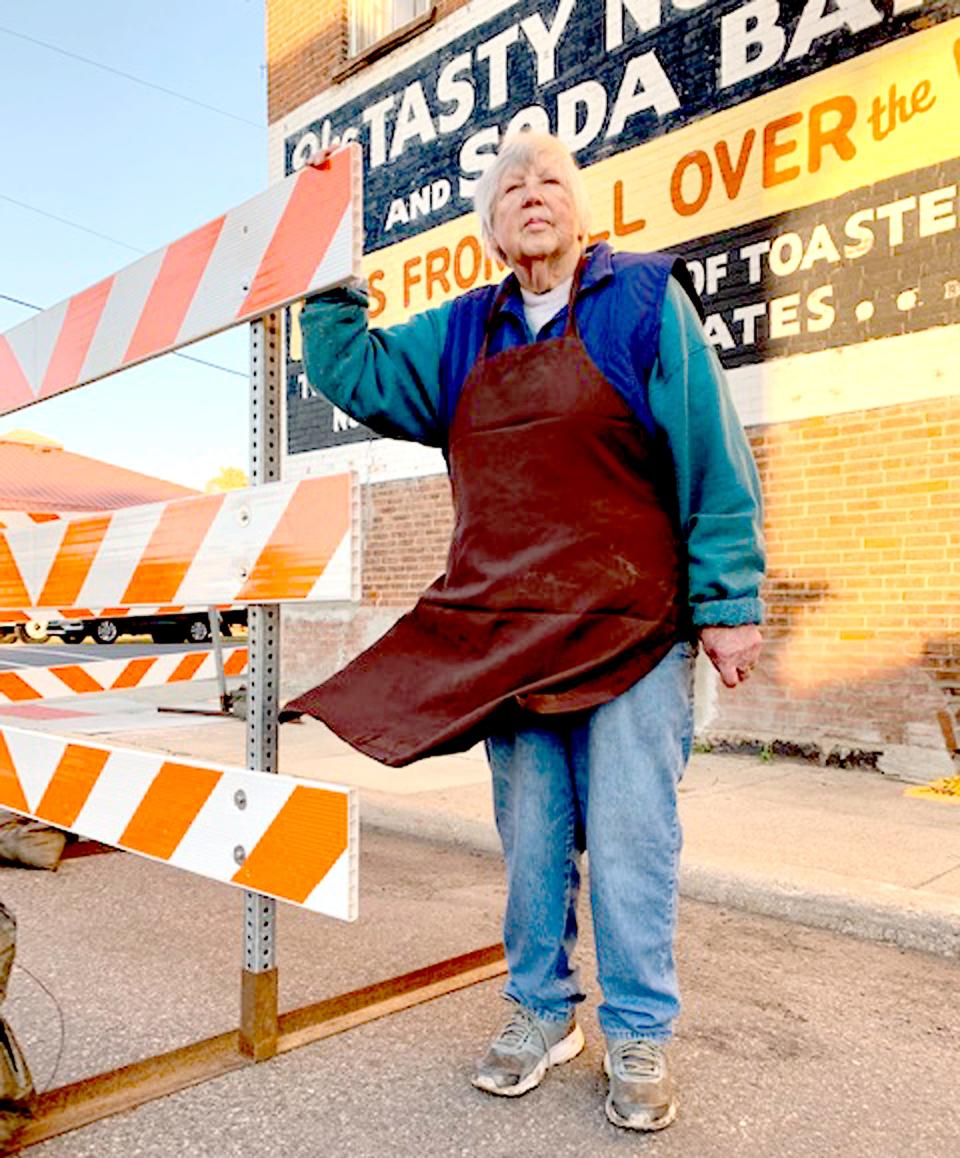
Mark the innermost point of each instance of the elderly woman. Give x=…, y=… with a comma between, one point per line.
x=607, y=515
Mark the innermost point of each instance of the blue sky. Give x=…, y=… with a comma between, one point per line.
x=140, y=166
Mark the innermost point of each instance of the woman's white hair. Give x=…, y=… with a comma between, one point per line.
x=521, y=150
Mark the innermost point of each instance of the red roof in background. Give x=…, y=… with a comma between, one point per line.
x=45, y=477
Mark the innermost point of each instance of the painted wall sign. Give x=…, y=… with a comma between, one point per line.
x=702, y=127
x=880, y=261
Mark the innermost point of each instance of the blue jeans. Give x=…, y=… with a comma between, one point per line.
x=604, y=781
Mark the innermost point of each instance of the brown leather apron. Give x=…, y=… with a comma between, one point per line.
x=563, y=583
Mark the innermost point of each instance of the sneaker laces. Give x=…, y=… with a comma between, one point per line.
x=517, y=1031
x=639, y=1059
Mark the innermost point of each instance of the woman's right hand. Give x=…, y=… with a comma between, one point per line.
x=321, y=159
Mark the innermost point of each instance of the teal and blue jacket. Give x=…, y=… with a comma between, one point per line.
x=404, y=381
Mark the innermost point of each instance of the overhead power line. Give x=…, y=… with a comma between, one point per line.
x=67, y=221
x=19, y=302
x=177, y=353
x=212, y=365
x=131, y=77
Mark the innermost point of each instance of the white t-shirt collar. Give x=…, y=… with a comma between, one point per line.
x=541, y=308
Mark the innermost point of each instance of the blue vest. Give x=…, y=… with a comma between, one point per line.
x=619, y=309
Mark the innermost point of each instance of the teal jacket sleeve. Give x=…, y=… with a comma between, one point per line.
x=388, y=379
x=718, y=487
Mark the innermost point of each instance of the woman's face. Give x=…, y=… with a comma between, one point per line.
x=534, y=215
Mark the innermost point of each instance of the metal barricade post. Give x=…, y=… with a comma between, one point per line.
x=259, y=1013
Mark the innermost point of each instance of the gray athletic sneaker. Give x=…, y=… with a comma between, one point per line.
x=522, y=1052
x=641, y=1093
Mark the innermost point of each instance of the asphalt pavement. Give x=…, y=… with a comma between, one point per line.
x=794, y=1042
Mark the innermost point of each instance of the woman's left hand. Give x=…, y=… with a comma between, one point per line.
x=733, y=651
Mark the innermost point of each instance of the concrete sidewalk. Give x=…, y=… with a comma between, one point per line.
x=841, y=849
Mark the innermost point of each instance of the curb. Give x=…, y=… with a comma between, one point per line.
x=903, y=919
x=435, y=827
x=892, y=916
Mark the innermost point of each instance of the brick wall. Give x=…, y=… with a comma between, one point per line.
x=863, y=596
x=306, y=44
x=406, y=532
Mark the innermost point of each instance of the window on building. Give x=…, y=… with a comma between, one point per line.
x=372, y=20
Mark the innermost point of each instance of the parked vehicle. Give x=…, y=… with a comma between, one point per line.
x=181, y=627
x=33, y=631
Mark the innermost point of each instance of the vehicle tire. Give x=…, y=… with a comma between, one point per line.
x=8, y=635
x=33, y=631
x=198, y=630
x=73, y=636
x=106, y=631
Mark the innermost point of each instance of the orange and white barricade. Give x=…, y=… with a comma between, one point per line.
x=274, y=836
x=301, y=235
x=290, y=839
x=113, y=675
x=279, y=542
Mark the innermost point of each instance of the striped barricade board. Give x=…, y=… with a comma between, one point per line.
x=301, y=235
x=279, y=542
x=19, y=519
x=295, y=840
x=110, y=675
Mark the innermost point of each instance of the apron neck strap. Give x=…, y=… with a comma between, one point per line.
x=570, y=329
x=498, y=299
x=504, y=292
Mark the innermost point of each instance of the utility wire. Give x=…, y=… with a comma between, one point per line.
x=67, y=221
x=212, y=365
x=18, y=302
x=63, y=1025
x=176, y=353
x=130, y=76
